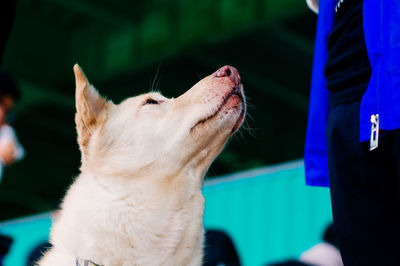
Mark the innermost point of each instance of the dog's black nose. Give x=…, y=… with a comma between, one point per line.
x=229, y=71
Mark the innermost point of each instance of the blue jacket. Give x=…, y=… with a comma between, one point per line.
x=381, y=23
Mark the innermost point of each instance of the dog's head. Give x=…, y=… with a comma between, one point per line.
x=156, y=135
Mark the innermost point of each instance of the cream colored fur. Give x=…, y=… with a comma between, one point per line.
x=138, y=198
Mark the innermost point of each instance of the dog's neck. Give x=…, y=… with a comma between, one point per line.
x=151, y=225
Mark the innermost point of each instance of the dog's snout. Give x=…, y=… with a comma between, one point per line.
x=229, y=71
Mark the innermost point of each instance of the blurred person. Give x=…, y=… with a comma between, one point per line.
x=353, y=137
x=325, y=253
x=219, y=249
x=10, y=149
x=5, y=244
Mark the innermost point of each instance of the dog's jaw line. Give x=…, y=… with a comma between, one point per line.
x=225, y=99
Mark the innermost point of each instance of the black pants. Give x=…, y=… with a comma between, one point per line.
x=364, y=190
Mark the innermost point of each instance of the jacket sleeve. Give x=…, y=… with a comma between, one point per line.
x=315, y=157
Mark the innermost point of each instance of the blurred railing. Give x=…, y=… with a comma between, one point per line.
x=270, y=213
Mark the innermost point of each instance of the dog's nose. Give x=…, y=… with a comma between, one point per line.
x=229, y=71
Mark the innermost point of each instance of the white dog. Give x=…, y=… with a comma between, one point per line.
x=138, y=198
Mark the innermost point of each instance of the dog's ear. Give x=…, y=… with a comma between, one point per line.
x=89, y=108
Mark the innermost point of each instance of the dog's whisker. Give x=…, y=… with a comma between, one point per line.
x=248, y=117
x=158, y=85
x=250, y=105
x=246, y=128
x=156, y=79
x=249, y=130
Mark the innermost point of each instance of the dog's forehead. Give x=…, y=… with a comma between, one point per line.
x=153, y=95
x=141, y=99
x=136, y=103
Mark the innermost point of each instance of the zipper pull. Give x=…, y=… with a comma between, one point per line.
x=374, y=132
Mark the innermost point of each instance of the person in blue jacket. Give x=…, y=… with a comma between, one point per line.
x=353, y=137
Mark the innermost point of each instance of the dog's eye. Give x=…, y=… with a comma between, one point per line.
x=150, y=101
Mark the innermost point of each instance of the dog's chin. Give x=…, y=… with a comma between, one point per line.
x=230, y=113
x=240, y=119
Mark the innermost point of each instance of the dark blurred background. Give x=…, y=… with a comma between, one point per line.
x=121, y=45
